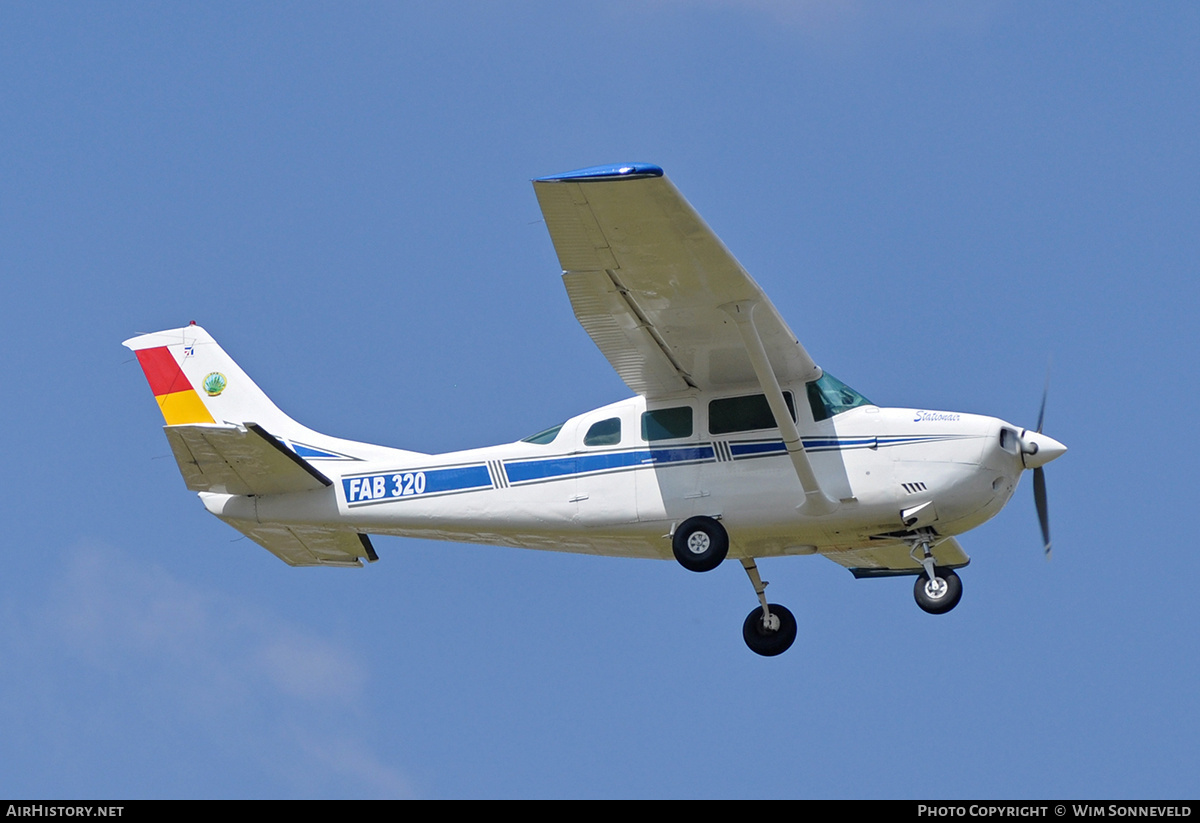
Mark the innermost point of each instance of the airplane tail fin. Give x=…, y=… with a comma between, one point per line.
x=231, y=442
x=195, y=382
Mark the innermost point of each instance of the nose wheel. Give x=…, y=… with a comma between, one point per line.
x=939, y=594
x=770, y=629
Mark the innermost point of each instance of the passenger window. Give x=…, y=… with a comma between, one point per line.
x=604, y=433
x=667, y=424
x=743, y=414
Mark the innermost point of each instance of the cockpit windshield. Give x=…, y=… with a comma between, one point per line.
x=829, y=396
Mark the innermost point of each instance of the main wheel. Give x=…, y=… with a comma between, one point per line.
x=700, y=544
x=939, y=595
x=765, y=641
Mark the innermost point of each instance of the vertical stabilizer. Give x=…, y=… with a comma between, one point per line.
x=195, y=381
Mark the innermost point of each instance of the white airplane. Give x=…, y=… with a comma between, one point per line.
x=736, y=444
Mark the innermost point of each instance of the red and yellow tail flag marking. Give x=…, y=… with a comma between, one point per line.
x=178, y=401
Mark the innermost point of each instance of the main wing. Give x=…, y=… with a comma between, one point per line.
x=647, y=279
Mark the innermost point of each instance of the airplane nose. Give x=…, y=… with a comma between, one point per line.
x=1037, y=449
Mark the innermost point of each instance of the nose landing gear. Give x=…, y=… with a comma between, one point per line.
x=937, y=589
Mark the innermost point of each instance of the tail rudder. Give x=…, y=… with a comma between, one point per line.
x=195, y=381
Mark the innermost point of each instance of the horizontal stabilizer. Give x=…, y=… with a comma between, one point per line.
x=239, y=460
x=308, y=545
x=894, y=559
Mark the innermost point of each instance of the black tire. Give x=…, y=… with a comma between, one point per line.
x=700, y=544
x=765, y=642
x=937, y=600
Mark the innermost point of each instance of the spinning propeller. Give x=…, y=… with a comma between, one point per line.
x=1036, y=451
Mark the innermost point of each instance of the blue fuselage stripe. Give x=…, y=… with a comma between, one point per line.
x=396, y=485
x=752, y=449
x=530, y=470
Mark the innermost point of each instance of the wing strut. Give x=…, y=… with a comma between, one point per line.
x=816, y=502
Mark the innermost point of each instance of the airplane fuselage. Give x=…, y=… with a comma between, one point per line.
x=610, y=482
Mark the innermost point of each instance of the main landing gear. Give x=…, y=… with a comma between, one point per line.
x=700, y=544
x=770, y=629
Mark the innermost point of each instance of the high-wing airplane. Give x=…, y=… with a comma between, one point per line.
x=736, y=444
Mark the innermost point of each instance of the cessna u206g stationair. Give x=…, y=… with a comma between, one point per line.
x=736, y=444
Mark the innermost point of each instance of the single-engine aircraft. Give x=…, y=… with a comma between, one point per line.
x=736, y=444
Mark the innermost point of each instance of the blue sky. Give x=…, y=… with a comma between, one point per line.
x=938, y=199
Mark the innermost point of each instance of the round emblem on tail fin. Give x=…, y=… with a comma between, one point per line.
x=214, y=383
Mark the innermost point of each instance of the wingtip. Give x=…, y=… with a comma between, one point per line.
x=616, y=171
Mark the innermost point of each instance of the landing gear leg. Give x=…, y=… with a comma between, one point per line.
x=937, y=590
x=770, y=629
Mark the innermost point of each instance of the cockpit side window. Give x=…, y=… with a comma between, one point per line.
x=829, y=396
x=604, y=433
